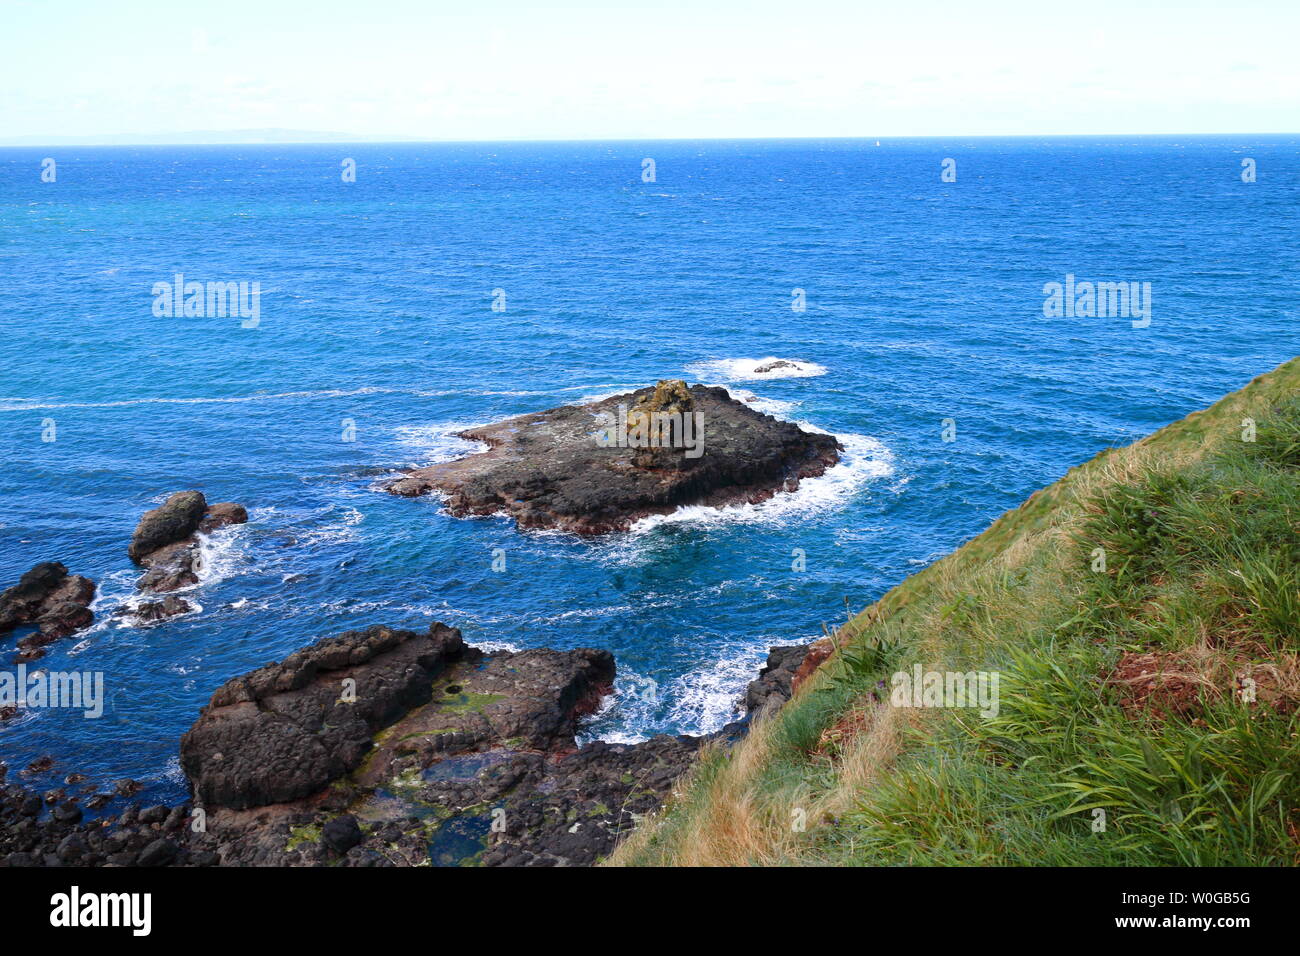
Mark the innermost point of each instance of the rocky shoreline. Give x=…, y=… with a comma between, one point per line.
x=166, y=543
x=599, y=467
x=387, y=747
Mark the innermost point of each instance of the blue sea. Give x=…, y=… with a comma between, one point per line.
x=923, y=303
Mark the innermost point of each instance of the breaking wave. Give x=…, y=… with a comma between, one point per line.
x=753, y=370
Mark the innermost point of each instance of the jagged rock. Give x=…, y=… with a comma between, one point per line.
x=670, y=397
x=560, y=469
x=287, y=730
x=775, y=683
x=64, y=618
x=171, y=567
x=285, y=766
x=56, y=602
x=169, y=606
x=174, y=520
x=817, y=654
x=166, y=543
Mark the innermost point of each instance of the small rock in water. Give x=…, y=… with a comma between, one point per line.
x=169, y=606
x=174, y=520
x=773, y=366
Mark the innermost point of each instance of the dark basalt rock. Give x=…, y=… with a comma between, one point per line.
x=775, y=683
x=287, y=730
x=342, y=833
x=171, y=567
x=491, y=760
x=52, y=600
x=174, y=520
x=572, y=811
x=479, y=748
x=548, y=469
x=166, y=543
x=532, y=698
x=169, y=606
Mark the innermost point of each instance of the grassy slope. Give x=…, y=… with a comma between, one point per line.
x=1119, y=688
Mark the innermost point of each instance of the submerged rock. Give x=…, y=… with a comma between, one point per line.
x=599, y=467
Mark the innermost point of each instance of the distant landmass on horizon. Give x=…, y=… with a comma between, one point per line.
x=231, y=137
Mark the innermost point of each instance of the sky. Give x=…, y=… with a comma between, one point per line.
x=506, y=69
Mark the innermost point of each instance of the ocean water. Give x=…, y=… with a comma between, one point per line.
x=924, y=302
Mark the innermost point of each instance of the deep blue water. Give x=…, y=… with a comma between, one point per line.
x=924, y=302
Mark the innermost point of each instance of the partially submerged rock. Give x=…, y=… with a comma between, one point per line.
x=593, y=468
x=221, y=514
x=174, y=520
x=170, y=606
x=166, y=543
x=56, y=603
x=775, y=366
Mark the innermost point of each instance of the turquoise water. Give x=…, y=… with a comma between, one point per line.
x=924, y=302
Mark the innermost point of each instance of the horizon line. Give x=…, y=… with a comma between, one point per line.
x=361, y=140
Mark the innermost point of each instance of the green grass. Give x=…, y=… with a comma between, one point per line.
x=1179, y=554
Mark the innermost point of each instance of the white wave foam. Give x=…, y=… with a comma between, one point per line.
x=629, y=714
x=221, y=555
x=493, y=647
x=699, y=702
x=768, y=406
x=439, y=442
x=746, y=370
x=33, y=404
x=18, y=404
x=606, y=391
x=863, y=459
x=709, y=697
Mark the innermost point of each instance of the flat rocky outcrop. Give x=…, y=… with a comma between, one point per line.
x=56, y=603
x=287, y=730
x=589, y=469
